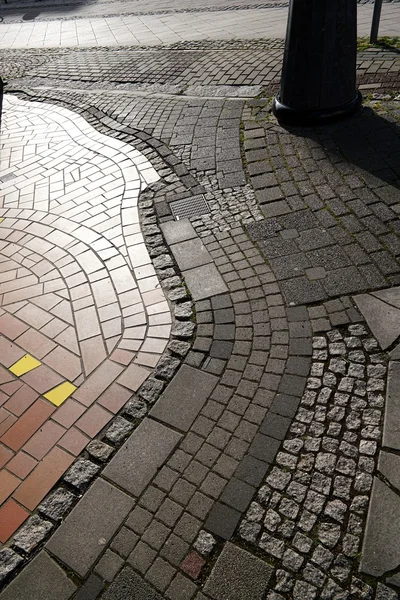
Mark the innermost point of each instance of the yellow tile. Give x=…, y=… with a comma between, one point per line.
x=60, y=393
x=24, y=365
x=1, y=219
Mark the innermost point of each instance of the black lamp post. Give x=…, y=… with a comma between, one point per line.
x=319, y=67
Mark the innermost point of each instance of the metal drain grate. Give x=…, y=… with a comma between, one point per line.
x=189, y=207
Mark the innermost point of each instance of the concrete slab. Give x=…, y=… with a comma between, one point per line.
x=382, y=319
x=205, y=282
x=178, y=231
x=391, y=296
x=381, y=548
x=391, y=424
x=389, y=466
x=190, y=254
x=136, y=463
x=81, y=538
x=129, y=585
x=238, y=575
x=42, y=579
x=184, y=397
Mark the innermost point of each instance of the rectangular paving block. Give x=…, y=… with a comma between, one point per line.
x=42, y=579
x=238, y=575
x=81, y=538
x=204, y=282
x=191, y=253
x=391, y=433
x=184, y=397
x=178, y=231
x=136, y=463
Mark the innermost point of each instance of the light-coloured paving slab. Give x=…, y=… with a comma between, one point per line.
x=153, y=30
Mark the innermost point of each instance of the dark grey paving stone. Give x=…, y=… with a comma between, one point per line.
x=42, y=579
x=81, y=538
x=178, y=231
x=136, y=463
x=252, y=470
x=90, y=589
x=130, y=586
x=389, y=466
x=382, y=319
x=238, y=494
x=204, y=282
x=275, y=425
x=222, y=520
x=238, y=575
x=391, y=432
x=184, y=397
x=381, y=547
x=190, y=254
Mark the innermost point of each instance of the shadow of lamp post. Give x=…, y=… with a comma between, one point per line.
x=319, y=67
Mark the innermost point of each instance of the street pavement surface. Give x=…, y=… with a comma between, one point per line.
x=199, y=311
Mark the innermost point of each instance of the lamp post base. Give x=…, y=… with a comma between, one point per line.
x=291, y=116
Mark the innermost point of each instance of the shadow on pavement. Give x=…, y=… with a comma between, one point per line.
x=366, y=140
x=30, y=11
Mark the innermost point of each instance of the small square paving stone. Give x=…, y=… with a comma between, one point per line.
x=238, y=575
x=222, y=520
x=184, y=397
x=190, y=254
x=136, y=463
x=90, y=589
x=178, y=231
x=81, y=538
x=204, y=282
x=130, y=585
x=42, y=579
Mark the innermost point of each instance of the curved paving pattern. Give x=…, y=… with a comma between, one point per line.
x=83, y=317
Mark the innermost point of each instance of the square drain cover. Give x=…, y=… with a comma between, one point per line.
x=194, y=206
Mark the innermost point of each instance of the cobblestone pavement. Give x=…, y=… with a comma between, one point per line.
x=224, y=299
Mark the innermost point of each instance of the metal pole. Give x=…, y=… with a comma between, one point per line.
x=375, y=21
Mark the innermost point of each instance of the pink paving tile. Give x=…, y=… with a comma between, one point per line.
x=74, y=441
x=5, y=376
x=114, y=398
x=6, y=422
x=35, y=343
x=68, y=412
x=64, y=362
x=3, y=398
x=21, y=465
x=11, y=327
x=64, y=312
x=93, y=353
x=21, y=400
x=12, y=387
x=43, y=477
x=54, y=328
x=5, y=455
x=42, y=379
x=123, y=357
x=25, y=293
x=94, y=420
x=87, y=323
x=8, y=483
x=192, y=564
x=133, y=377
x=44, y=439
x=98, y=382
x=12, y=515
x=68, y=339
x=34, y=315
x=27, y=425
